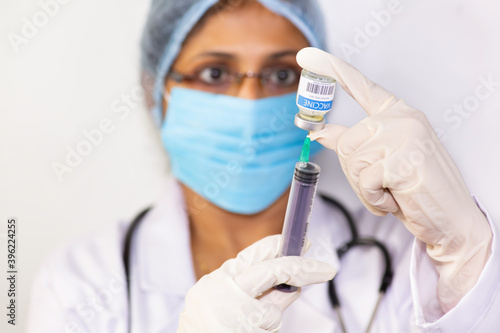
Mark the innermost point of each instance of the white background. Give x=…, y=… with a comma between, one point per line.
x=66, y=78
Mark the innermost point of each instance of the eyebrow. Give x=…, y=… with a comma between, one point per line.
x=215, y=54
x=230, y=56
x=283, y=54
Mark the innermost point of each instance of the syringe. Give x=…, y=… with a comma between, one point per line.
x=298, y=210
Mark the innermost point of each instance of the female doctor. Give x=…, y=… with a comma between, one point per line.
x=225, y=76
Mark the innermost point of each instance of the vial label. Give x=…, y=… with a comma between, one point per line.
x=315, y=95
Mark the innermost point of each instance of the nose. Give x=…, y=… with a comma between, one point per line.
x=249, y=88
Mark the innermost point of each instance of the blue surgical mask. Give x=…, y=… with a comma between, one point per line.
x=237, y=153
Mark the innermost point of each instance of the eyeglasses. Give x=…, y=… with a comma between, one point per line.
x=219, y=78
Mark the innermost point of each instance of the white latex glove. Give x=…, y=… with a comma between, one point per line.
x=238, y=297
x=395, y=163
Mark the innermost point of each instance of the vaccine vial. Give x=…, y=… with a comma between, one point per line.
x=314, y=100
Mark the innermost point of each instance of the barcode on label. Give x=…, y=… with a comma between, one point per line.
x=320, y=90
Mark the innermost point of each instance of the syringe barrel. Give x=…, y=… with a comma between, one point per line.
x=298, y=212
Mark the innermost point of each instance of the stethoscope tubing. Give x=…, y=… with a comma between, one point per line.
x=357, y=241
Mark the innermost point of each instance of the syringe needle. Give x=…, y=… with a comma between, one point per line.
x=304, y=154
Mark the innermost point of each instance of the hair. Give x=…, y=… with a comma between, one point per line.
x=148, y=79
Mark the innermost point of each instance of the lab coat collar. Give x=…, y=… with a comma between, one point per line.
x=163, y=246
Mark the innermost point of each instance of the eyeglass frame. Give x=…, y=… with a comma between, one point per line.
x=236, y=77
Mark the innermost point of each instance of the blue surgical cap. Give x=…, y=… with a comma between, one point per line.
x=170, y=21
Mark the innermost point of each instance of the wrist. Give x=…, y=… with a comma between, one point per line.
x=460, y=260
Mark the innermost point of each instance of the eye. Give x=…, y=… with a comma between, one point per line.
x=283, y=77
x=213, y=75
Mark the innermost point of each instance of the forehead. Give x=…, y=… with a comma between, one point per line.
x=249, y=31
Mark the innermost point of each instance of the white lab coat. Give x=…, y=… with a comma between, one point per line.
x=81, y=288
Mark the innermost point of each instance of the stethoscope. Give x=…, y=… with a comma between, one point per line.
x=344, y=248
x=341, y=251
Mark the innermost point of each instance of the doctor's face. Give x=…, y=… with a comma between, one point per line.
x=248, y=39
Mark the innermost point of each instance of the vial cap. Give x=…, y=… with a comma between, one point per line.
x=309, y=125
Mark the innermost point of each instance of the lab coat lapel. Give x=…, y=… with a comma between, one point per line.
x=163, y=268
x=302, y=316
x=164, y=254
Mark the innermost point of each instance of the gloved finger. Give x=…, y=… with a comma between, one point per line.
x=264, y=249
x=345, y=141
x=372, y=97
x=293, y=270
x=352, y=169
x=355, y=137
x=280, y=299
x=267, y=317
x=329, y=135
x=356, y=151
x=378, y=199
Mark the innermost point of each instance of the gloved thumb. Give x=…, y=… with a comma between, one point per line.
x=329, y=136
x=296, y=271
x=372, y=97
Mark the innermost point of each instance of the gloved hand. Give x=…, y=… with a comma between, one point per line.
x=395, y=163
x=238, y=297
